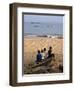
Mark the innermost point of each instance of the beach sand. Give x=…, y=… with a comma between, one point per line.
x=32, y=44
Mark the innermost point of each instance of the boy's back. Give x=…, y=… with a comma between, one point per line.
x=39, y=57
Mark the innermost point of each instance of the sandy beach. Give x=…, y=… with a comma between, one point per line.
x=32, y=44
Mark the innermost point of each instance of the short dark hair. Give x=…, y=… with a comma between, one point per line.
x=41, y=50
x=38, y=51
x=50, y=47
x=44, y=49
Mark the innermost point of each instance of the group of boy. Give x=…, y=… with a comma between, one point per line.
x=44, y=54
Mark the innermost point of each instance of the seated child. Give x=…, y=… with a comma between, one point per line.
x=39, y=56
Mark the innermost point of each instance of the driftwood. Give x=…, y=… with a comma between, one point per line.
x=46, y=66
x=42, y=63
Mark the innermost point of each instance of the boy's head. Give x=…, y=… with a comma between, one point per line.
x=41, y=51
x=38, y=51
x=44, y=49
x=50, y=47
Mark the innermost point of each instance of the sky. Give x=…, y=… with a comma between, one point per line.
x=43, y=24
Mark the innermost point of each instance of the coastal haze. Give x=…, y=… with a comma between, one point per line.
x=43, y=25
x=43, y=31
